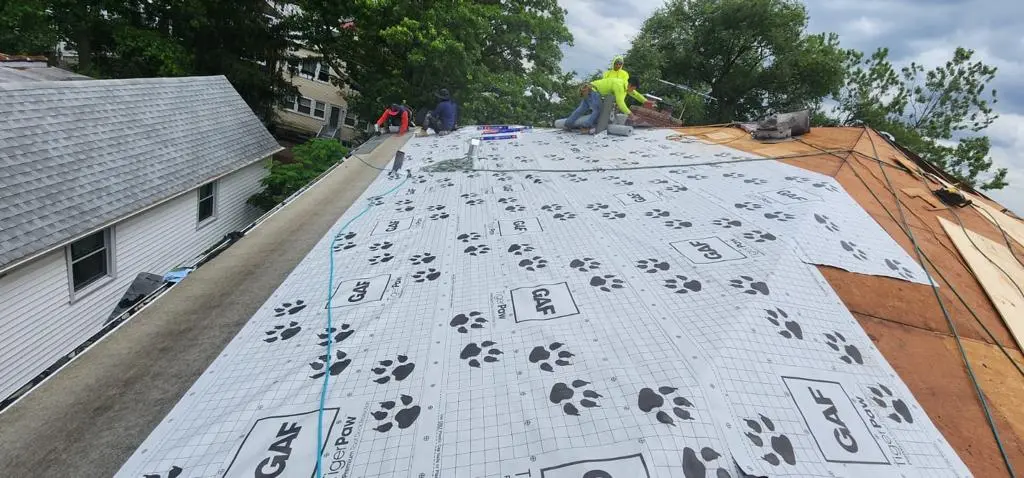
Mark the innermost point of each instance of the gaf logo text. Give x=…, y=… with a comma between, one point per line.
x=543, y=302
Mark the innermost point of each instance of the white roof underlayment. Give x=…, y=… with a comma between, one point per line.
x=617, y=307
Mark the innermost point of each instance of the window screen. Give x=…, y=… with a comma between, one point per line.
x=89, y=258
x=206, y=201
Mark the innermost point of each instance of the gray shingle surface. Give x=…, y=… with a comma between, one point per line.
x=9, y=75
x=75, y=156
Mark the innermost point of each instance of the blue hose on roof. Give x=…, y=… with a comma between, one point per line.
x=330, y=336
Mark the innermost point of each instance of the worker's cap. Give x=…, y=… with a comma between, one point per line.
x=443, y=94
x=395, y=107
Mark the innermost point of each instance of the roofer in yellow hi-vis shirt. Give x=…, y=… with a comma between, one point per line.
x=618, y=72
x=593, y=92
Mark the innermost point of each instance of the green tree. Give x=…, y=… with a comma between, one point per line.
x=245, y=40
x=753, y=56
x=487, y=53
x=935, y=113
x=26, y=28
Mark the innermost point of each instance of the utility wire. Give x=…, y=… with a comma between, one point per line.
x=945, y=313
x=938, y=271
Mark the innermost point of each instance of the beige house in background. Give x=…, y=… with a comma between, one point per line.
x=320, y=109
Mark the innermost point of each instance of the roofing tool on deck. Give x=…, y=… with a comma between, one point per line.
x=687, y=88
x=952, y=197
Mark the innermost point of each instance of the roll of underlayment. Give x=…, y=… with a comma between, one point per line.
x=560, y=123
x=620, y=130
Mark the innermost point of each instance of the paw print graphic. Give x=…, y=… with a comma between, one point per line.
x=436, y=207
x=733, y=175
x=381, y=246
x=471, y=353
x=836, y=341
x=884, y=399
x=779, y=216
x=403, y=202
x=597, y=206
x=659, y=181
x=726, y=223
x=344, y=241
x=854, y=251
x=375, y=200
x=683, y=285
x=533, y=263
x=551, y=207
x=519, y=249
x=750, y=286
x=564, y=216
x=338, y=335
x=468, y=195
x=515, y=208
x=899, y=268
x=657, y=213
x=759, y=236
x=439, y=216
x=508, y=200
x=748, y=206
x=468, y=237
x=534, y=179
x=477, y=250
x=289, y=308
x=474, y=202
x=607, y=282
x=445, y=183
x=797, y=179
x=282, y=332
x=780, y=444
x=403, y=206
x=652, y=266
x=697, y=177
x=755, y=181
x=542, y=354
x=677, y=188
x=623, y=182
x=695, y=466
x=677, y=224
x=649, y=400
x=574, y=177
x=789, y=329
x=825, y=221
x=826, y=186
x=174, y=472
x=425, y=258
x=430, y=274
x=586, y=264
x=385, y=257
x=387, y=417
x=338, y=365
x=463, y=322
x=613, y=215
x=398, y=369
x=420, y=179
x=561, y=392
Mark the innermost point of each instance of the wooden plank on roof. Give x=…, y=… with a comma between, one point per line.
x=925, y=195
x=1013, y=227
x=1002, y=286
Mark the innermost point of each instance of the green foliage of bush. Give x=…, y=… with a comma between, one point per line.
x=311, y=159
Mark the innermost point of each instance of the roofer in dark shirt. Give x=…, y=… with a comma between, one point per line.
x=442, y=119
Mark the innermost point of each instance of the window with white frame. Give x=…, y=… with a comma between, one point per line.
x=90, y=259
x=323, y=72
x=350, y=121
x=304, y=105
x=207, y=201
x=319, y=109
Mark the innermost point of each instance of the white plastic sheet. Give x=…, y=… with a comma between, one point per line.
x=653, y=322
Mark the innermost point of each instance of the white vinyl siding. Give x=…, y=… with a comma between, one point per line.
x=39, y=324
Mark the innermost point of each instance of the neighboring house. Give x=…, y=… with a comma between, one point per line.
x=320, y=108
x=103, y=180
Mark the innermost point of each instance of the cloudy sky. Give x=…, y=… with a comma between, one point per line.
x=925, y=31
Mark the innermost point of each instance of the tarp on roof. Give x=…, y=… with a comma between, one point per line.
x=613, y=318
x=78, y=155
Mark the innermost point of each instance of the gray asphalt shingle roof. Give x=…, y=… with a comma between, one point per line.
x=79, y=155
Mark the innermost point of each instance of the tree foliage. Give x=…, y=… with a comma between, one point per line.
x=310, y=159
x=754, y=56
x=153, y=38
x=487, y=53
x=935, y=113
